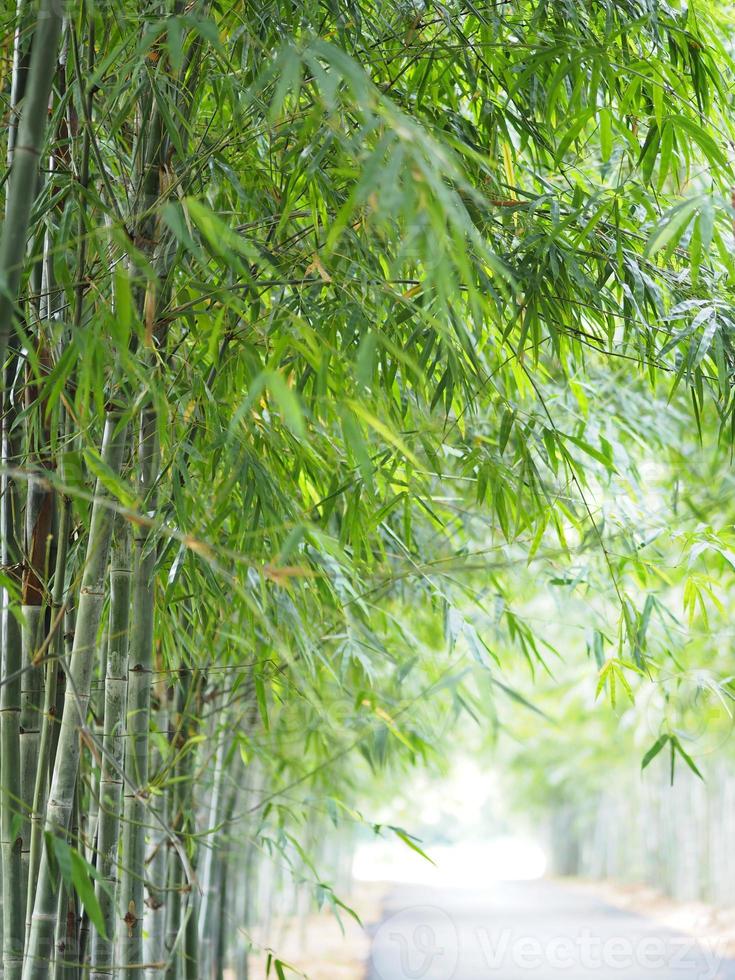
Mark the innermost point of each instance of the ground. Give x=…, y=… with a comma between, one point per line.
x=544, y=929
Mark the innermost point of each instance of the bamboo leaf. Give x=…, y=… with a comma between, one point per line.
x=84, y=888
x=657, y=746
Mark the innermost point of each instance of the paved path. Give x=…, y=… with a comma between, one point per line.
x=523, y=930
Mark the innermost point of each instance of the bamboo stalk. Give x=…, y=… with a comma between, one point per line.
x=11, y=693
x=113, y=750
x=211, y=860
x=30, y=724
x=49, y=720
x=97, y=706
x=75, y=706
x=153, y=945
x=38, y=537
x=26, y=152
x=175, y=881
x=10, y=706
x=138, y=713
x=153, y=941
x=41, y=502
x=191, y=937
x=222, y=906
x=66, y=959
x=55, y=965
x=19, y=72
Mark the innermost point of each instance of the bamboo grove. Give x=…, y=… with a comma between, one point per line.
x=316, y=320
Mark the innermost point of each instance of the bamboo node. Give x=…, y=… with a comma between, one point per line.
x=131, y=919
x=27, y=149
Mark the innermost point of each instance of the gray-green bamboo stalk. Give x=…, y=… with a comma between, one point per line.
x=191, y=937
x=26, y=153
x=11, y=816
x=175, y=880
x=40, y=502
x=66, y=943
x=49, y=720
x=97, y=710
x=74, y=716
x=210, y=860
x=138, y=713
x=20, y=67
x=113, y=752
x=153, y=940
x=30, y=724
x=10, y=694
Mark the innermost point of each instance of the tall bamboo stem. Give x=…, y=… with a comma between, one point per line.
x=10, y=694
x=207, y=911
x=153, y=944
x=66, y=958
x=75, y=706
x=113, y=751
x=97, y=707
x=20, y=71
x=138, y=713
x=49, y=720
x=11, y=816
x=175, y=882
x=26, y=153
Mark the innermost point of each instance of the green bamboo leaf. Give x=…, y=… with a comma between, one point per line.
x=382, y=429
x=666, y=160
x=288, y=402
x=704, y=139
x=411, y=842
x=109, y=479
x=705, y=340
x=591, y=451
x=262, y=701
x=571, y=134
x=84, y=888
x=657, y=746
x=679, y=748
x=506, y=424
x=672, y=227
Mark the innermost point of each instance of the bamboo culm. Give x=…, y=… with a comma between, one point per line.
x=153, y=940
x=26, y=154
x=10, y=705
x=138, y=714
x=113, y=749
x=79, y=675
x=175, y=881
x=49, y=719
